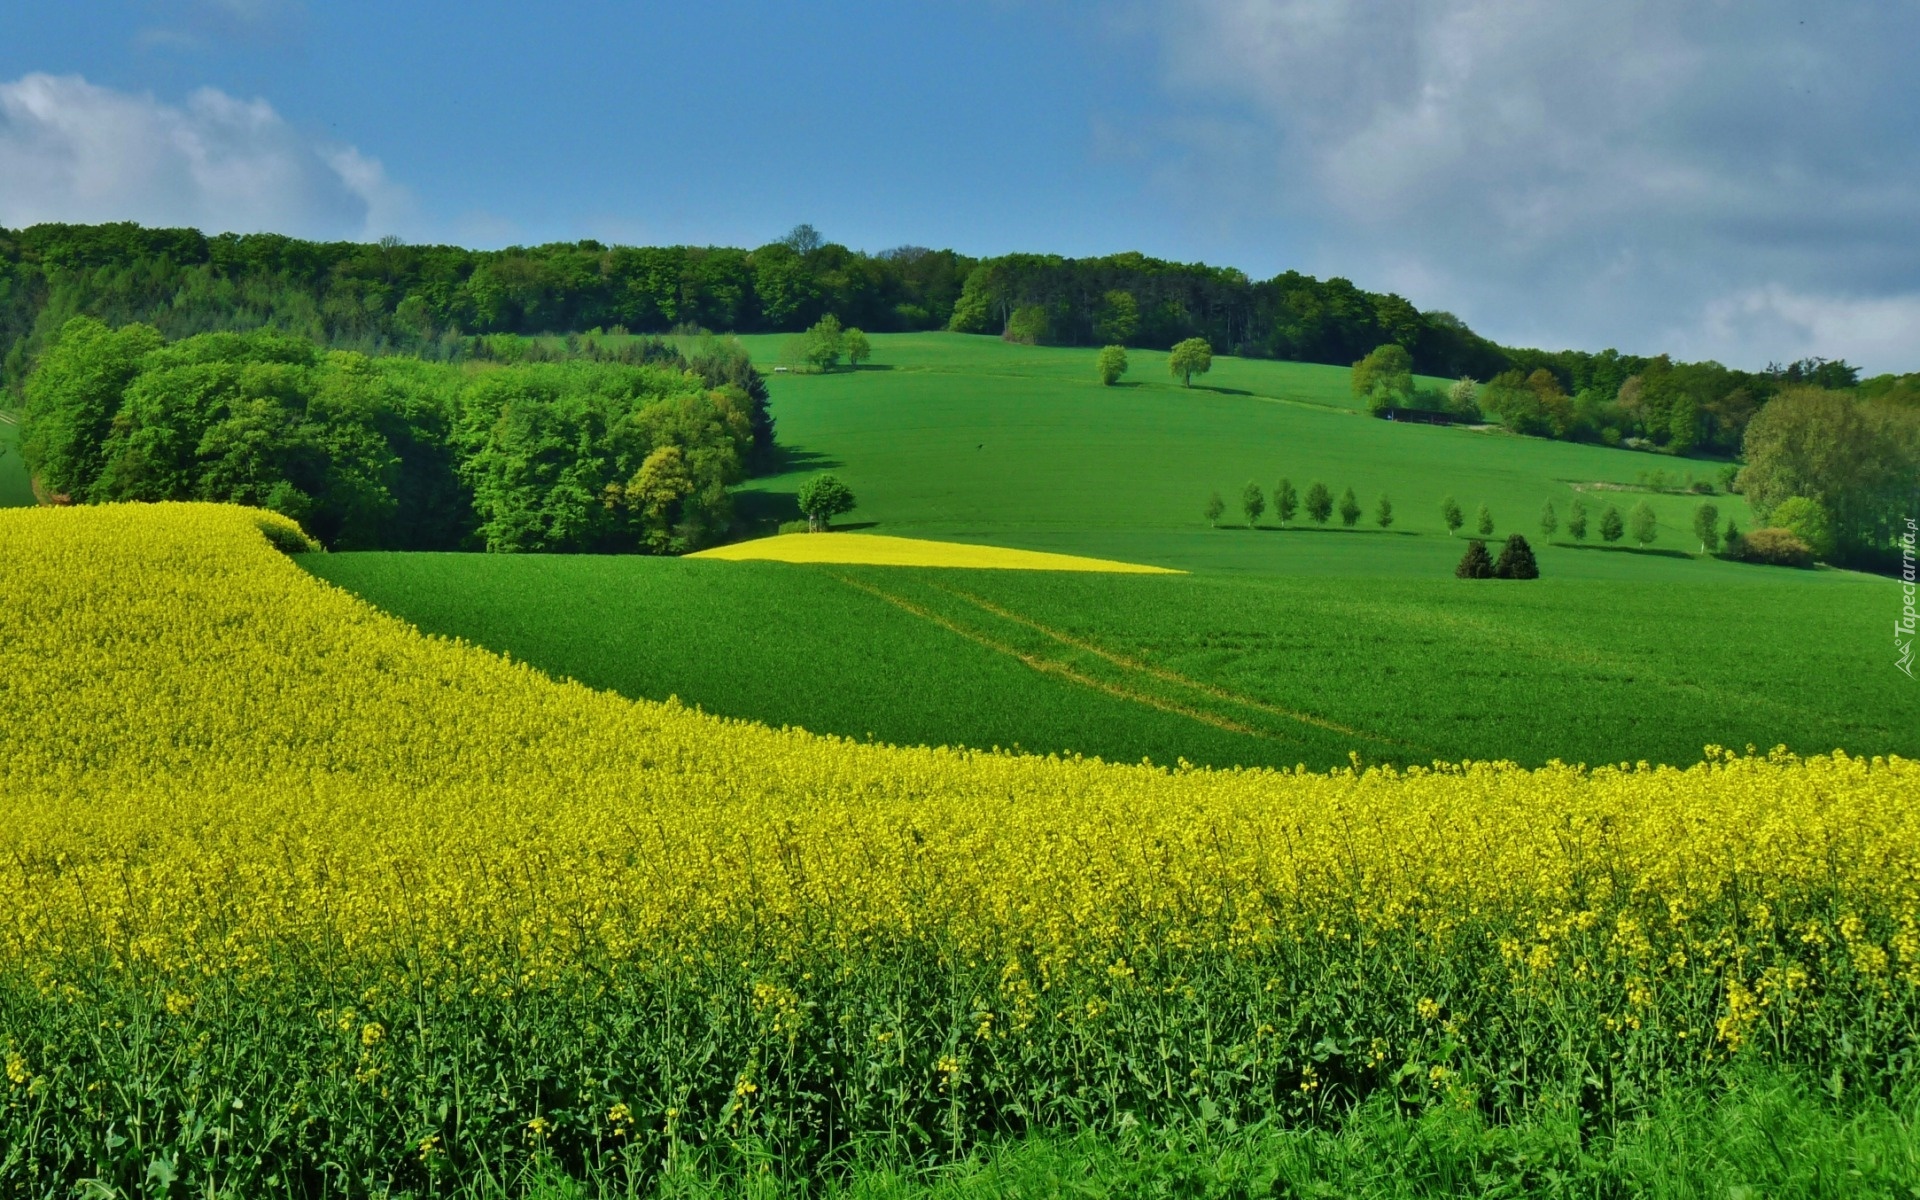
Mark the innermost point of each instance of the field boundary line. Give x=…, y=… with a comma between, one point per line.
x=1047, y=666
x=1173, y=677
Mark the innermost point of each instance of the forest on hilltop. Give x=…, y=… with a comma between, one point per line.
x=429, y=300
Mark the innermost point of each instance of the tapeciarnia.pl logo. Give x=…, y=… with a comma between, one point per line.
x=1903, y=628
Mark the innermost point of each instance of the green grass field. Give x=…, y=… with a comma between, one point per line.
x=1282, y=647
x=1219, y=669
x=972, y=439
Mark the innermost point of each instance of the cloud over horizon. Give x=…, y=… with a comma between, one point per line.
x=74, y=151
x=1736, y=179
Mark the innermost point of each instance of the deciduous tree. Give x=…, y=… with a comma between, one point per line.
x=1349, y=509
x=1549, y=522
x=1319, y=502
x=1644, y=523
x=1189, y=358
x=1612, y=526
x=1112, y=364
x=1252, y=503
x=1706, y=527
x=1483, y=523
x=823, y=498
x=1451, y=514
x=1286, y=501
x=1384, y=378
x=1215, y=508
x=1577, y=519
x=1383, y=513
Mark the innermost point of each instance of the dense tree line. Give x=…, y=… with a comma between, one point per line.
x=394, y=452
x=431, y=300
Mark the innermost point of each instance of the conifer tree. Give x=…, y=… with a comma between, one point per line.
x=1475, y=564
x=1516, y=560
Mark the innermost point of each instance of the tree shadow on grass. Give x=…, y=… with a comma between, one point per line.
x=765, y=510
x=1219, y=391
x=786, y=459
x=1642, y=550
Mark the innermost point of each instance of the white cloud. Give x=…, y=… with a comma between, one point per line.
x=1592, y=170
x=74, y=151
x=1879, y=333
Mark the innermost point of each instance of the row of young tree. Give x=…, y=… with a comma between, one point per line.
x=398, y=453
x=1801, y=534
x=1288, y=501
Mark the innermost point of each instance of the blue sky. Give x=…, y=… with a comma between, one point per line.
x=1711, y=178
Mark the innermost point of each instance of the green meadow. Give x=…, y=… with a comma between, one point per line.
x=973, y=439
x=1282, y=646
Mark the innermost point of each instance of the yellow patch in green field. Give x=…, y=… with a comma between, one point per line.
x=874, y=549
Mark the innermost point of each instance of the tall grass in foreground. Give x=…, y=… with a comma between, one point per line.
x=302, y=903
x=1762, y=1134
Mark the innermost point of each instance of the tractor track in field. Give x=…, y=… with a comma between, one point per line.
x=1174, y=677
x=1047, y=666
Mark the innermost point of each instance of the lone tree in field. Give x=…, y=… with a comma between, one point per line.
x=1215, y=506
x=1706, y=527
x=1516, y=560
x=1484, y=522
x=1549, y=522
x=1253, y=504
x=858, y=348
x=1612, y=528
x=1189, y=358
x=1451, y=514
x=1577, y=519
x=823, y=344
x=1113, y=364
x=1384, y=378
x=1646, y=526
x=1475, y=564
x=1286, y=501
x=1349, y=509
x=1383, y=513
x=823, y=498
x=1319, y=502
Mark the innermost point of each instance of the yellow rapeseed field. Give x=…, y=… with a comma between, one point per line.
x=879, y=550
x=293, y=889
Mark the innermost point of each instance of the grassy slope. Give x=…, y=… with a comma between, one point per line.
x=1284, y=647
x=970, y=438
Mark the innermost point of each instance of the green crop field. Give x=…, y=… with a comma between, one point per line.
x=1282, y=647
x=1218, y=669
